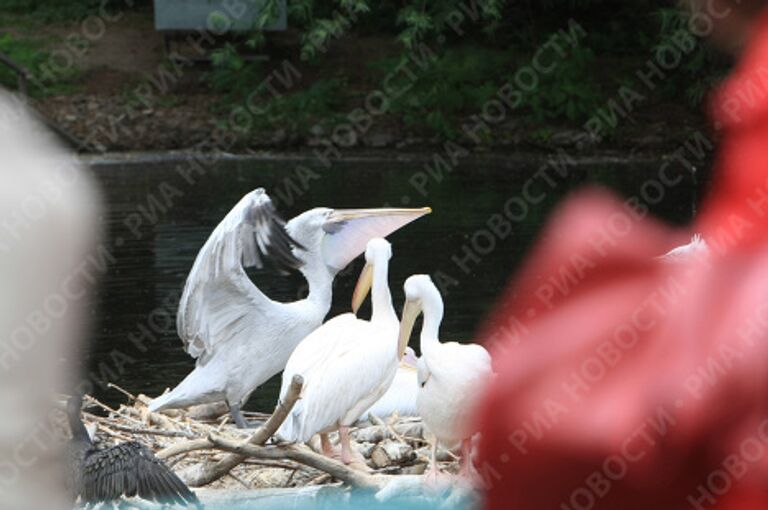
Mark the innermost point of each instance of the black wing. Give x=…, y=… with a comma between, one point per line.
x=270, y=238
x=128, y=470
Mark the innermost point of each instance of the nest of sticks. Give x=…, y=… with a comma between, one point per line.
x=213, y=453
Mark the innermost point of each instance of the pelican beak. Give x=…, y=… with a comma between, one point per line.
x=411, y=311
x=349, y=230
x=362, y=288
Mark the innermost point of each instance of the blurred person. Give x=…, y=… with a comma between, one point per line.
x=47, y=236
x=626, y=382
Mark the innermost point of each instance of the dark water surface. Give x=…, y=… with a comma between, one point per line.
x=160, y=212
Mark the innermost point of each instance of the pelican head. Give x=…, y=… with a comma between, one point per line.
x=409, y=357
x=377, y=251
x=333, y=237
x=420, y=293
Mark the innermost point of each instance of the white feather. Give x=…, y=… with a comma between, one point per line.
x=451, y=375
x=240, y=337
x=400, y=397
x=347, y=364
x=697, y=248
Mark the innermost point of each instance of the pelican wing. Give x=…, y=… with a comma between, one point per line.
x=455, y=363
x=218, y=296
x=400, y=397
x=130, y=469
x=340, y=371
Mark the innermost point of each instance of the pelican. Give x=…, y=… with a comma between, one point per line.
x=348, y=363
x=450, y=375
x=239, y=336
x=696, y=248
x=400, y=398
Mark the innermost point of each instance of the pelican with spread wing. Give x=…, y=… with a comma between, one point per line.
x=239, y=336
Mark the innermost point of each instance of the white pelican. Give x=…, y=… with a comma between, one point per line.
x=347, y=363
x=450, y=375
x=400, y=398
x=240, y=336
x=696, y=248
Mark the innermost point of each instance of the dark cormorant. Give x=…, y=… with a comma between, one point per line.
x=124, y=470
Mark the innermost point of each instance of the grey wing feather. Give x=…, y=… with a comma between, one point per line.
x=249, y=233
x=270, y=237
x=128, y=470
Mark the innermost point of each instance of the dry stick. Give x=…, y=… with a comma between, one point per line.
x=121, y=390
x=286, y=464
x=304, y=455
x=212, y=473
x=184, y=447
x=239, y=480
x=154, y=432
x=378, y=421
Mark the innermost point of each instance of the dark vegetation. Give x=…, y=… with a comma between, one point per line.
x=479, y=46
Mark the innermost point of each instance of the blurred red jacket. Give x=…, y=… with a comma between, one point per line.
x=625, y=382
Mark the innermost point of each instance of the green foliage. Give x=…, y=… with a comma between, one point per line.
x=300, y=110
x=230, y=74
x=570, y=91
x=699, y=71
x=459, y=82
x=31, y=54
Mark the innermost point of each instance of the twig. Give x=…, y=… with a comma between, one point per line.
x=155, y=432
x=121, y=390
x=184, y=447
x=212, y=473
x=320, y=479
x=390, y=428
x=240, y=480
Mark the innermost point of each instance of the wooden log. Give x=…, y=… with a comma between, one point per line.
x=392, y=453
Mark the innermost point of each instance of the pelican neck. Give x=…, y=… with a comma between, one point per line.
x=320, y=281
x=381, y=299
x=432, y=307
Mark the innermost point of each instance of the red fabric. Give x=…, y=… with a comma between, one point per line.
x=628, y=383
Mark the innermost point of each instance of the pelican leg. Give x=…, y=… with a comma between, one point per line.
x=326, y=446
x=234, y=412
x=433, y=471
x=465, y=470
x=346, y=448
x=348, y=454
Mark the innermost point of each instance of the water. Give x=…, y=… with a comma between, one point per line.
x=158, y=217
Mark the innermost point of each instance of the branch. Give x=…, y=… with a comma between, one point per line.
x=212, y=473
x=303, y=455
x=184, y=447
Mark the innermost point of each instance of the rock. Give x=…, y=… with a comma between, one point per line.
x=389, y=453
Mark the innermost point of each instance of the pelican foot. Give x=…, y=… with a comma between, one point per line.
x=355, y=460
x=436, y=481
